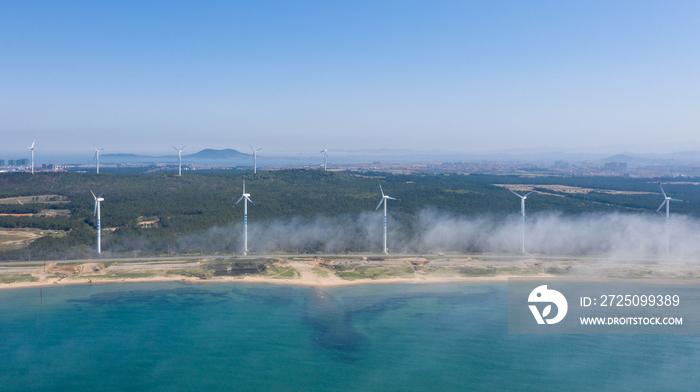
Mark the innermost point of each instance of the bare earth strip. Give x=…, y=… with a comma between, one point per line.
x=50, y=199
x=568, y=189
x=17, y=238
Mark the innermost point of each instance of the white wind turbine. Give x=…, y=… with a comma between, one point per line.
x=667, y=201
x=245, y=196
x=97, y=157
x=179, y=159
x=98, y=199
x=32, y=149
x=384, y=200
x=325, y=158
x=255, y=159
x=522, y=214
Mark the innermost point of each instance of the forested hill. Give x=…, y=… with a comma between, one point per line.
x=173, y=206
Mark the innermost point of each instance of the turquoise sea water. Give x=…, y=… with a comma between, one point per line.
x=223, y=337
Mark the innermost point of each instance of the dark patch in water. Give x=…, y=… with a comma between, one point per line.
x=183, y=295
x=277, y=295
x=376, y=304
x=333, y=328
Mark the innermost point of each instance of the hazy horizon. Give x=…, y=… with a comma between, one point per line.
x=301, y=77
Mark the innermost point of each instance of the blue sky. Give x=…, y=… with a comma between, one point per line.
x=302, y=76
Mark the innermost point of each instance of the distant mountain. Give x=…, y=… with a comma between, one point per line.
x=681, y=158
x=209, y=153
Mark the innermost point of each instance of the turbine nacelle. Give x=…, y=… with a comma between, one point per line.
x=179, y=150
x=97, y=198
x=667, y=199
x=97, y=152
x=521, y=196
x=244, y=196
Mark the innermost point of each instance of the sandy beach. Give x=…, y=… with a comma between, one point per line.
x=323, y=272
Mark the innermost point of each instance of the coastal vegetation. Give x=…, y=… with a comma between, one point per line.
x=163, y=214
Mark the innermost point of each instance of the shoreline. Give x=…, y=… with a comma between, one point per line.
x=340, y=283
x=325, y=273
x=246, y=280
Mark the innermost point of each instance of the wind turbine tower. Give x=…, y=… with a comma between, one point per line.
x=179, y=159
x=384, y=200
x=667, y=201
x=245, y=196
x=255, y=159
x=325, y=158
x=32, y=149
x=98, y=199
x=97, y=157
x=522, y=214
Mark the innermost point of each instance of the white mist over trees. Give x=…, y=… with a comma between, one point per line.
x=613, y=234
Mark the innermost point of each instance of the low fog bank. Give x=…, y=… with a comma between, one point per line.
x=431, y=231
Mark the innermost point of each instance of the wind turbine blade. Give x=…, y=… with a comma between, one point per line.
x=515, y=194
x=683, y=201
x=528, y=193
x=183, y=147
x=391, y=198
x=662, y=190
x=95, y=213
x=101, y=194
x=379, y=205
x=95, y=157
x=661, y=206
x=175, y=148
x=93, y=194
x=251, y=202
x=32, y=147
x=380, y=189
x=239, y=200
x=251, y=147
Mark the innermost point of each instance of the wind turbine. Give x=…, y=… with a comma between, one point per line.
x=245, y=196
x=667, y=201
x=522, y=214
x=32, y=148
x=255, y=159
x=98, y=199
x=325, y=158
x=384, y=198
x=97, y=157
x=179, y=159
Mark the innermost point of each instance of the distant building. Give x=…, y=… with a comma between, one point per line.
x=2, y=162
x=22, y=162
x=669, y=168
x=11, y=162
x=615, y=166
x=49, y=166
x=561, y=165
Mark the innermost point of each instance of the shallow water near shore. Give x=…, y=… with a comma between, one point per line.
x=257, y=337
